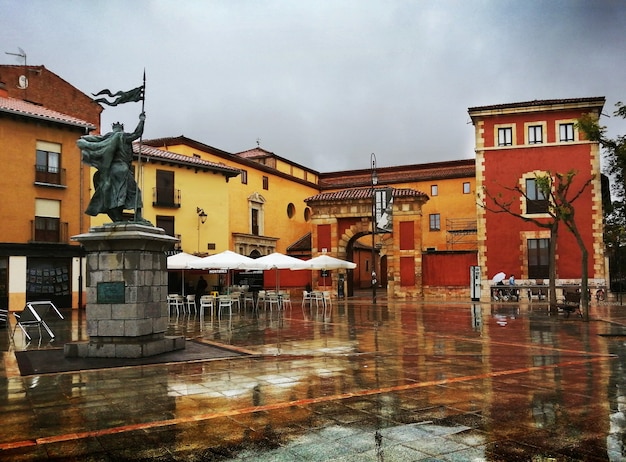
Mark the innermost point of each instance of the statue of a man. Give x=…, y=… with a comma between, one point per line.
x=115, y=186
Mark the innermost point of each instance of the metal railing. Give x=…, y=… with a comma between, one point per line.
x=165, y=198
x=461, y=232
x=47, y=175
x=51, y=231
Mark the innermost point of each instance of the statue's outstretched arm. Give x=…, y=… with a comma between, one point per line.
x=139, y=130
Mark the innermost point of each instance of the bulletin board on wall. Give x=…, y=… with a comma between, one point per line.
x=49, y=279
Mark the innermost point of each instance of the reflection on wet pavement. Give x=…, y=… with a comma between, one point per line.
x=392, y=382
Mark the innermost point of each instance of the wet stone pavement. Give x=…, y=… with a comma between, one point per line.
x=399, y=381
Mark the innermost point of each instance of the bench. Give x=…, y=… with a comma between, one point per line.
x=570, y=303
x=504, y=293
x=536, y=292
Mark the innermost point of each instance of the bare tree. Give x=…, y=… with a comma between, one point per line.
x=556, y=189
x=562, y=201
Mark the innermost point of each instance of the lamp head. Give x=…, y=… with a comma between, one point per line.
x=201, y=214
x=374, y=176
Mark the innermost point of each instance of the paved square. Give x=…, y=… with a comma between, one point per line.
x=396, y=381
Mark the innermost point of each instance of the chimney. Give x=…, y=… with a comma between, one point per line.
x=4, y=93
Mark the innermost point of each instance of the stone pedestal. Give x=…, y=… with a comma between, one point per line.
x=127, y=312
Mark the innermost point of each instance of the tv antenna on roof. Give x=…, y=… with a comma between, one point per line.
x=23, y=80
x=20, y=55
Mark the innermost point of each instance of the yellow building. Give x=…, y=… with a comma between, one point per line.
x=265, y=204
x=44, y=191
x=176, y=191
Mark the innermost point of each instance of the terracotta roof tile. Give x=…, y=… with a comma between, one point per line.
x=183, y=140
x=18, y=106
x=402, y=174
x=255, y=153
x=241, y=159
x=191, y=161
x=596, y=100
x=302, y=244
x=362, y=193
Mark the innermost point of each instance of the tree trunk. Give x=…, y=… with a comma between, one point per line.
x=584, y=279
x=552, y=268
x=584, y=283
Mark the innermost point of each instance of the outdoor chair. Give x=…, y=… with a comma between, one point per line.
x=326, y=298
x=236, y=298
x=206, y=301
x=317, y=297
x=224, y=301
x=273, y=300
x=190, y=303
x=175, y=302
x=33, y=314
x=285, y=300
x=260, y=299
x=306, y=297
x=248, y=297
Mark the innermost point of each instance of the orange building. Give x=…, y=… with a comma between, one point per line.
x=450, y=186
x=40, y=86
x=44, y=189
x=446, y=236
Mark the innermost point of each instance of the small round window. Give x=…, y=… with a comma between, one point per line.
x=291, y=210
x=307, y=214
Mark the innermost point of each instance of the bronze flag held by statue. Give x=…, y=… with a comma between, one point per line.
x=131, y=96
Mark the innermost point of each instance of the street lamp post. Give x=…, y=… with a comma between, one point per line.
x=374, y=183
x=201, y=219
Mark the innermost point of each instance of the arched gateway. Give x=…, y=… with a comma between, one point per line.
x=340, y=218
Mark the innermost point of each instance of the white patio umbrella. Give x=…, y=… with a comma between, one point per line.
x=278, y=261
x=326, y=262
x=227, y=260
x=181, y=261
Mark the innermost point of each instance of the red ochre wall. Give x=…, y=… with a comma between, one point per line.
x=503, y=169
x=287, y=278
x=457, y=268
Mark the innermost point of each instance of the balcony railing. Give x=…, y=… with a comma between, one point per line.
x=161, y=198
x=54, y=232
x=49, y=176
x=537, y=206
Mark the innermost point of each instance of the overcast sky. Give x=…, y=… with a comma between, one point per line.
x=326, y=83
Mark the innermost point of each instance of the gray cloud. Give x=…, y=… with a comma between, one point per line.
x=325, y=83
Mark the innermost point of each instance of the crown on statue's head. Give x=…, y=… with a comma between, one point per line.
x=118, y=126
